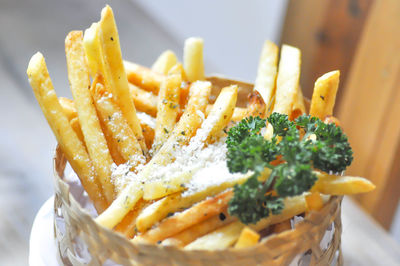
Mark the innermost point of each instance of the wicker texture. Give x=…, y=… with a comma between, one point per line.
x=78, y=236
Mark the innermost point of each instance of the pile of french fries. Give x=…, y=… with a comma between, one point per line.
x=101, y=130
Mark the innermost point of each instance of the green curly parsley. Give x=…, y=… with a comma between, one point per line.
x=323, y=146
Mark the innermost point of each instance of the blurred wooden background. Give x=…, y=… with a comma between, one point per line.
x=362, y=39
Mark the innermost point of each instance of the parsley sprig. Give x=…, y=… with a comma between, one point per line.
x=299, y=146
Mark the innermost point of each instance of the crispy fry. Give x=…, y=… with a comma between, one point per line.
x=74, y=122
x=178, y=69
x=116, y=72
x=167, y=109
x=193, y=59
x=145, y=101
x=127, y=225
x=288, y=79
x=216, y=121
x=324, y=95
x=194, y=215
x=112, y=118
x=186, y=127
x=112, y=144
x=143, y=77
x=189, y=235
x=314, y=202
x=78, y=75
x=227, y=235
x=247, y=238
x=70, y=144
x=298, y=107
x=256, y=105
x=177, y=202
x=165, y=62
x=266, y=73
x=68, y=107
x=148, y=134
x=219, y=239
x=341, y=185
x=189, y=122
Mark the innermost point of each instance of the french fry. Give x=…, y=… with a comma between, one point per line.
x=341, y=185
x=193, y=59
x=148, y=134
x=178, y=69
x=314, y=202
x=113, y=57
x=283, y=226
x=177, y=202
x=189, y=235
x=266, y=72
x=288, y=79
x=78, y=75
x=74, y=122
x=247, y=238
x=256, y=106
x=119, y=208
x=68, y=107
x=113, y=119
x=216, y=121
x=324, y=95
x=227, y=235
x=112, y=144
x=189, y=122
x=70, y=111
x=70, y=144
x=127, y=225
x=194, y=215
x=221, y=238
x=185, y=128
x=143, y=77
x=144, y=101
x=286, y=84
x=298, y=107
x=165, y=62
x=167, y=109
x=101, y=43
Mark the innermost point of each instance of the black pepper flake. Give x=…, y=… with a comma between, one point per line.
x=322, y=97
x=166, y=130
x=158, y=242
x=109, y=117
x=118, y=140
x=112, y=39
x=222, y=216
x=170, y=214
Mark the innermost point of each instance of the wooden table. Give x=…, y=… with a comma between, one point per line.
x=26, y=143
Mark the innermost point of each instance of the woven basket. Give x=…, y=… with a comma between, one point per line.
x=81, y=241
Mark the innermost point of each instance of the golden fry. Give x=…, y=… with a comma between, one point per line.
x=78, y=75
x=69, y=142
x=194, y=215
x=167, y=109
x=324, y=95
x=143, y=77
x=145, y=101
x=193, y=59
x=266, y=72
x=165, y=62
x=247, y=238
